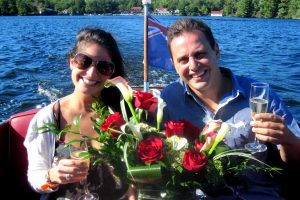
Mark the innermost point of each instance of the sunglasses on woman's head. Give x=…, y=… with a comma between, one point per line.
x=103, y=67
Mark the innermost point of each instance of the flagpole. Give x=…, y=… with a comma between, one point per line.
x=146, y=82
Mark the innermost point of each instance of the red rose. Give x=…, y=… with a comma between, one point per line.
x=191, y=132
x=182, y=128
x=174, y=128
x=150, y=149
x=194, y=161
x=113, y=121
x=145, y=100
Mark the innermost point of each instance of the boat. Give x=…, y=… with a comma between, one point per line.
x=13, y=156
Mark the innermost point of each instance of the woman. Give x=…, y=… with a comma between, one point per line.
x=94, y=59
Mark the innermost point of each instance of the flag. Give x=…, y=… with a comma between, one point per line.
x=158, y=51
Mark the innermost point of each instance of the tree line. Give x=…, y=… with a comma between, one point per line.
x=286, y=9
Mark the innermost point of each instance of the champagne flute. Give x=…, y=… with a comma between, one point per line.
x=81, y=154
x=259, y=95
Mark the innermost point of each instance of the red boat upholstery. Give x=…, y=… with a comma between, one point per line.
x=12, y=136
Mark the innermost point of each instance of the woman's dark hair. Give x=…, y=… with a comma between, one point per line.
x=187, y=25
x=110, y=96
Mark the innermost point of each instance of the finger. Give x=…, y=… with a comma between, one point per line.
x=268, y=135
x=266, y=138
x=268, y=117
x=72, y=162
x=73, y=170
x=72, y=178
x=268, y=125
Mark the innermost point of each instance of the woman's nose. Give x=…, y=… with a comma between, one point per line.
x=92, y=69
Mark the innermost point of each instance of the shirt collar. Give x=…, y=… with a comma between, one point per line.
x=237, y=88
x=186, y=88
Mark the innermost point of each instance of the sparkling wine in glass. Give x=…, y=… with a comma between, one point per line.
x=259, y=95
x=81, y=155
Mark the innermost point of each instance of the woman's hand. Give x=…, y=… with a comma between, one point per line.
x=68, y=171
x=132, y=192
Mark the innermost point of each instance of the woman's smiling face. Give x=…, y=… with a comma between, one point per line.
x=90, y=81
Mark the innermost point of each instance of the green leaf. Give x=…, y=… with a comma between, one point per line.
x=76, y=122
x=145, y=173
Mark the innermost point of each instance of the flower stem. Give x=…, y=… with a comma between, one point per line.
x=133, y=112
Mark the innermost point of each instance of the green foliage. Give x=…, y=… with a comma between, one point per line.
x=240, y=8
x=244, y=8
x=268, y=8
x=294, y=9
x=230, y=7
x=283, y=9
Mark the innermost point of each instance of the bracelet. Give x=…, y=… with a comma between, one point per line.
x=49, y=183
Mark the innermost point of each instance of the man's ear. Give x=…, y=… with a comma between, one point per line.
x=71, y=63
x=217, y=50
x=171, y=60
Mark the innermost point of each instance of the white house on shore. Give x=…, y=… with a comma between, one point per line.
x=162, y=11
x=216, y=13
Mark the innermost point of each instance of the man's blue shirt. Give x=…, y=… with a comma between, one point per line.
x=233, y=108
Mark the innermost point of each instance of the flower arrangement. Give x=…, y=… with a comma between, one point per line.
x=178, y=159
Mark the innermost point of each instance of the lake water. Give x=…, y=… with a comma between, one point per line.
x=33, y=50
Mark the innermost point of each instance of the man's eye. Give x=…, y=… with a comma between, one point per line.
x=183, y=61
x=199, y=55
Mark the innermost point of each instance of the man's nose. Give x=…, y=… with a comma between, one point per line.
x=193, y=64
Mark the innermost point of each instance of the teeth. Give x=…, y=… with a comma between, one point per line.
x=199, y=74
x=88, y=82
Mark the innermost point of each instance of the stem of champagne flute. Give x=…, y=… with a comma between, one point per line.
x=85, y=186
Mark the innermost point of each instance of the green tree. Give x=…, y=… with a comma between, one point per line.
x=182, y=7
x=244, y=8
x=283, y=9
x=8, y=7
x=24, y=7
x=79, y=6
x=215, y=4
x=203, y=10
x=268, y=8
x=91, y=6
x=230, y=7
x=194, y=8
x=172, y=6
x=256, y=9
x=3, y=7
x=294, y=9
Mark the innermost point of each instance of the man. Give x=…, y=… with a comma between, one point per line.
x=206, y=91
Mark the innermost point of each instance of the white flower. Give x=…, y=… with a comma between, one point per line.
x=177, y=142
x=122, y=85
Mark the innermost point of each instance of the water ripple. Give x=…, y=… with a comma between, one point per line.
x=33, y=55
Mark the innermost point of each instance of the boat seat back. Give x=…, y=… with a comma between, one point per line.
x=18, y=125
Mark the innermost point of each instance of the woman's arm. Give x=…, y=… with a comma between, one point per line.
x=40, y=150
